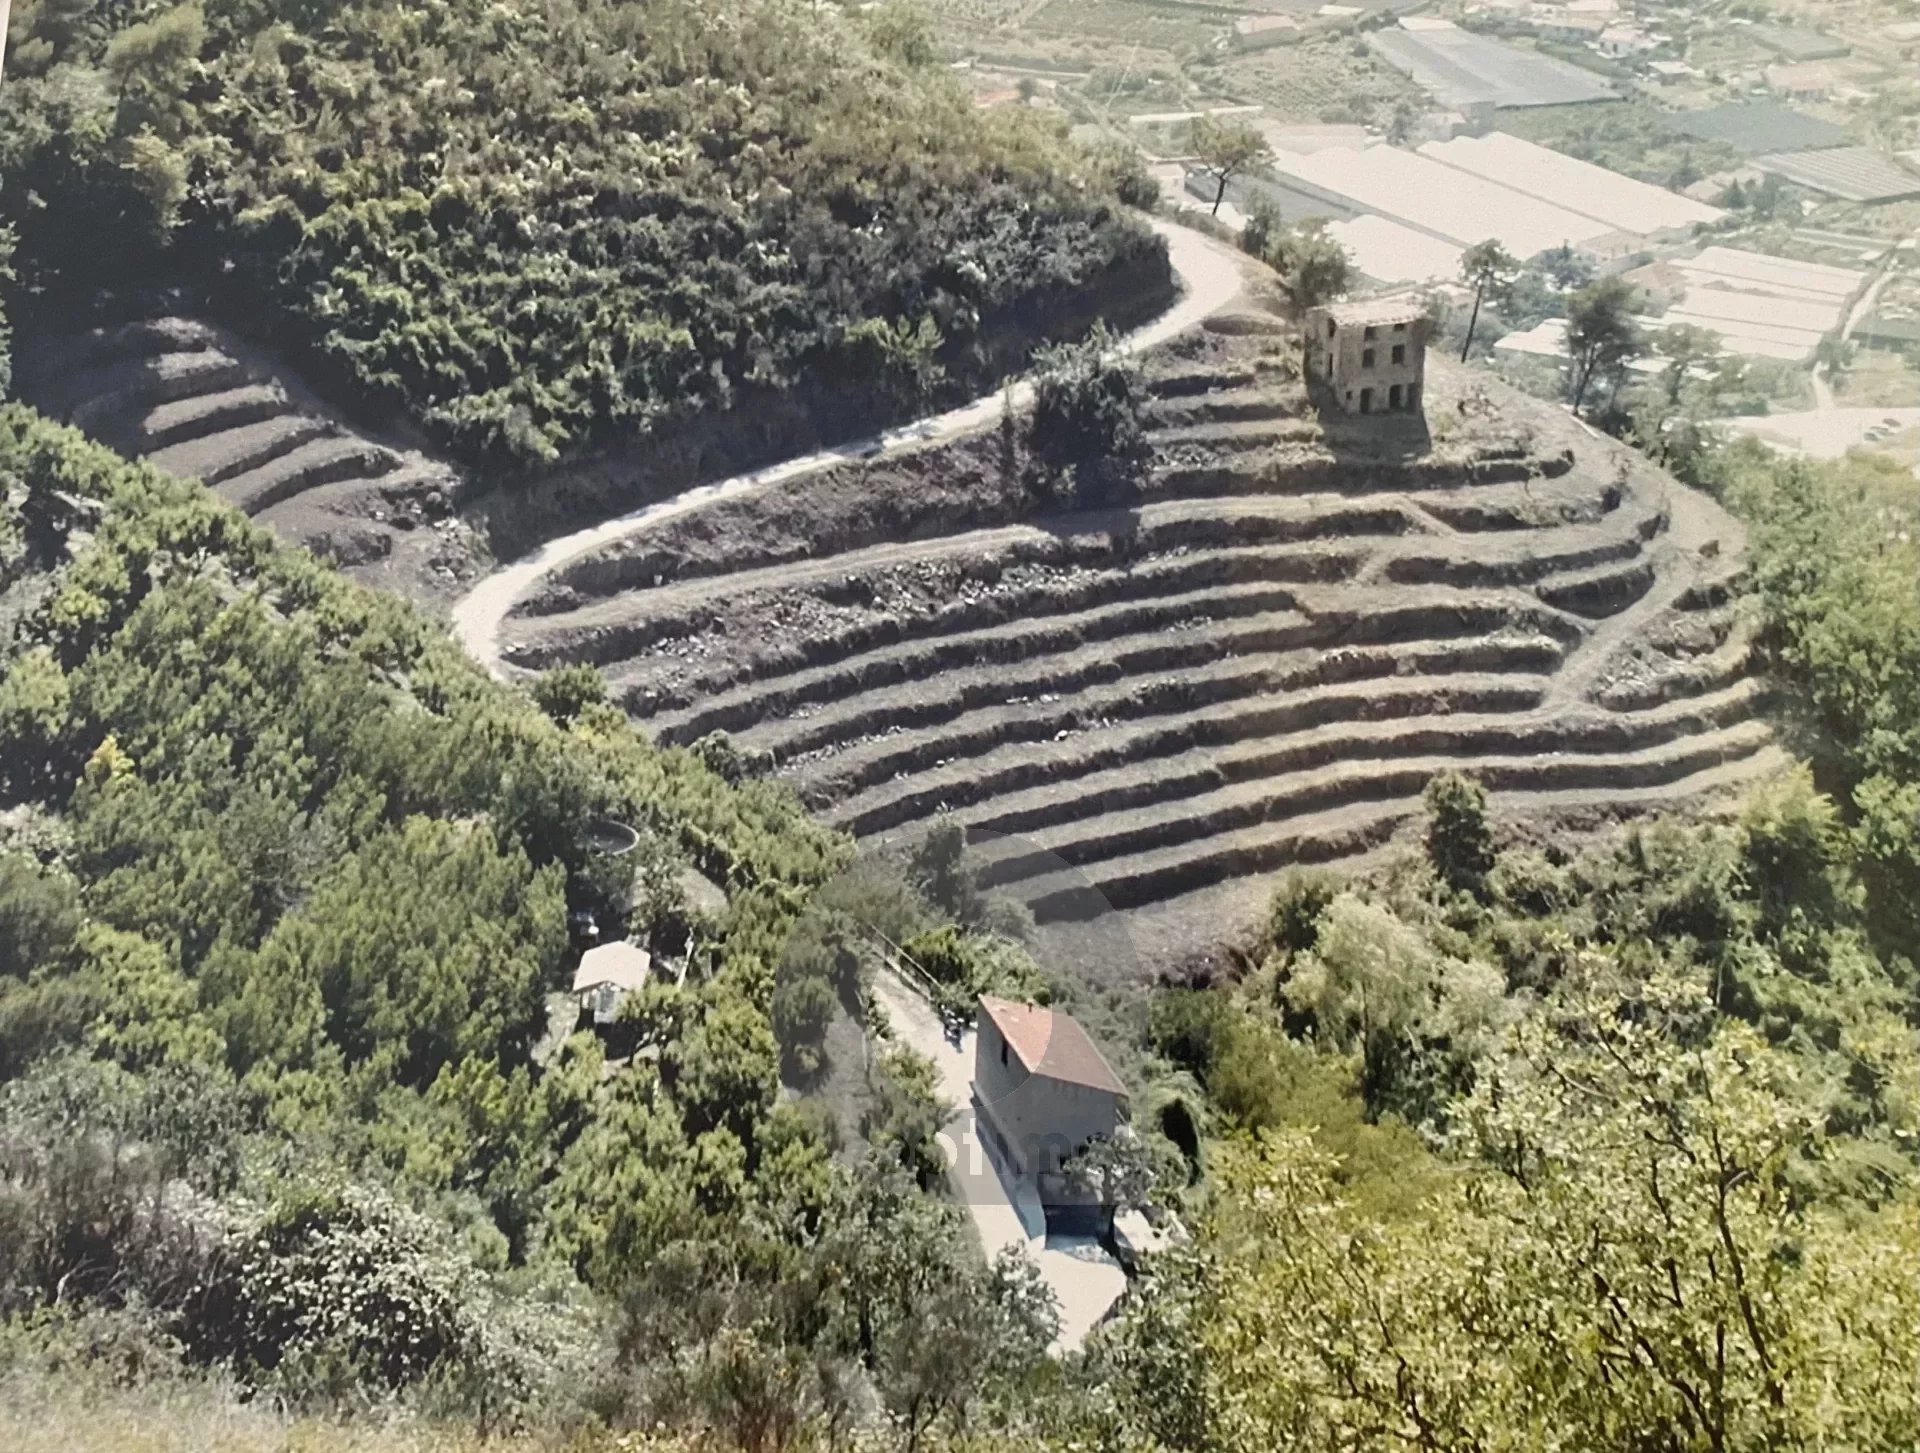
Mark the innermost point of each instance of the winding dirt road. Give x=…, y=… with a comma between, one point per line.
x=1210, y=274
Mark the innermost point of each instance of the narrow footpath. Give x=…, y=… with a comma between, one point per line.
x=1210, y=274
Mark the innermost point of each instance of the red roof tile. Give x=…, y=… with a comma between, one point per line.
x=1053, y=1044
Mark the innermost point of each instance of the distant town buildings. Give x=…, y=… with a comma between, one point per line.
x=1258, y=32
x=1761, y=306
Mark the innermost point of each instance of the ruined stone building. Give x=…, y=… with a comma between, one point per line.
x=1368, y=357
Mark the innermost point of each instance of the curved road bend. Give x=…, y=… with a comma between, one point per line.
x=1210, y=275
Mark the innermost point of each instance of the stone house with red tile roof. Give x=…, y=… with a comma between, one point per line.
x=1041, y=1091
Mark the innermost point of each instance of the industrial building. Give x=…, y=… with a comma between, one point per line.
x=1463, y=191
x=1759, y=128
x=1462, y=69
x=1427, y=196
x=1386, y=252
x=1621, y=203
x=1851, y=173
x=1762, y=307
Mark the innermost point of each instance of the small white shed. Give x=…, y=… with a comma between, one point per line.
x=607, y=973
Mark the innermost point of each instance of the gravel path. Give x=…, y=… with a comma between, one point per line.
x=1210, y=275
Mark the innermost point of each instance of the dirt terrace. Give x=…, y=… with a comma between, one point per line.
x=1260, y=663
x=197, y=401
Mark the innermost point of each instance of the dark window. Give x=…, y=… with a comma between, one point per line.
x=1003, y=1051
x=1366, y=400
x=1330, y=327
x=1399, y=353
x=1393, y=397
x=1399, y=327
x=1366, y=359
x=1371, y=333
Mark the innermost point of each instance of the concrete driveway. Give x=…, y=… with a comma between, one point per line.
x=1084, y=1279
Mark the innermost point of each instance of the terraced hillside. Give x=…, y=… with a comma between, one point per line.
x=199, y=402
x=1262, y=663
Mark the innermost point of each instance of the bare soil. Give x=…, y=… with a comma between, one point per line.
x=1257, y=658
x=200, y=401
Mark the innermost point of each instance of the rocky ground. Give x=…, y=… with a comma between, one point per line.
x=1259, y=661
x=199, y=401
x=1142, y=710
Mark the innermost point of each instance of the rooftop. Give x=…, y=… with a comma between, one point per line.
x=1579, y=186
x=1388, y=252
x=1462, y=69
x=1852, y=173
x=1798, y=43
x=1759, y=127
x=1050, y=1042
x=1376, y=312
x=1442, y=201
x=623, y=965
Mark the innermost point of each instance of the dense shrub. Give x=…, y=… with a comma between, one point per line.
x=543, y=230
x=1087, y=418
x=1459, y=842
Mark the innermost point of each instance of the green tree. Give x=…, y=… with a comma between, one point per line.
x=725, y=1069
x=1224, y=148
x=803, y=1009
x=39, y=916
x=1602, y=337
x=1087, y=403
x=1631, y=1267
x=8, y=242
x=565, y=693
x=1685, y=347
x=1489, y=269
x=1315, y=267
x=427, y=946
x=1114, y=1172
x=1459, y=840
x=1264, y=224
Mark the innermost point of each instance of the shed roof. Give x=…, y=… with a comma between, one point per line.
x=1462, y=68
x=1388, y=252
x=1798, y=42
x=1437, y=199
x=623, y=965
x=1882, y=325
x=1051, y=1042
